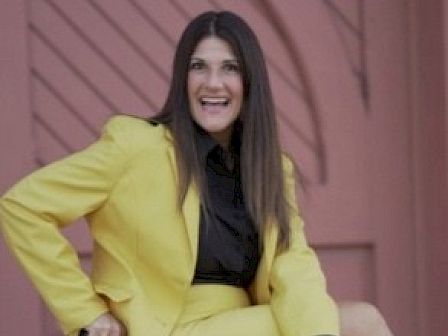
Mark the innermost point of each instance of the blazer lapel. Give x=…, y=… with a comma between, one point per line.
x=270, y=246
x=190, y=210
x=260, y=290
x=190, y=206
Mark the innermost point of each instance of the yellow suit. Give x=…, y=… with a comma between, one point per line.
x=144, y=248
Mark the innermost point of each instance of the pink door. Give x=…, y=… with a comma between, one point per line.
x=343, y=109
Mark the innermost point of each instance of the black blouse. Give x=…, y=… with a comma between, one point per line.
x=228, y=240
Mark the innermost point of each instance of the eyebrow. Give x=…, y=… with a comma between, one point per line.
x=230, y=60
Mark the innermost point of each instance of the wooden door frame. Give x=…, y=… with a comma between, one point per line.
x=428, y=49
x=20, y=302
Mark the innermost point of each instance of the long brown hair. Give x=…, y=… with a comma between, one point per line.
x=261, y=163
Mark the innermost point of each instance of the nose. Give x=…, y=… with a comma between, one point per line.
x=214, y=80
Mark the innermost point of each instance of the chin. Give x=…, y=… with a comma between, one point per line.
x=214, y=129
x=214, y=126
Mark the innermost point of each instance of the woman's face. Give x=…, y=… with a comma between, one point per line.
x=215, y=88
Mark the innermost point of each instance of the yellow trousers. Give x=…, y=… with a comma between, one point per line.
x=218, y=310
x=209, y=310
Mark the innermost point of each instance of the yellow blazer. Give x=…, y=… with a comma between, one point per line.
x=145, y=250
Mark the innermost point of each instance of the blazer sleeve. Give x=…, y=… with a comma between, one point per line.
x=300, y=302
x=33, y=211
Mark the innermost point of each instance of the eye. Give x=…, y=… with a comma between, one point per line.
x=196, y=65
x=231, y=67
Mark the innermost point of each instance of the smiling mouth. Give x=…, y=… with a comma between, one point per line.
x=214, y=101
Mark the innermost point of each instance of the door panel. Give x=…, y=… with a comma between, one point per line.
x=341, y=104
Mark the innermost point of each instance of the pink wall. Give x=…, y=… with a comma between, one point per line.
x=373, y=167
x=18, y=299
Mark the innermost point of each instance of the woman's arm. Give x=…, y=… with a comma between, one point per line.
x=32, y=212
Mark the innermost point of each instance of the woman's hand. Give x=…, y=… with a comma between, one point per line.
x=106, y=325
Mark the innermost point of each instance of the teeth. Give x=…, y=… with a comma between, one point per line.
x=214, y=101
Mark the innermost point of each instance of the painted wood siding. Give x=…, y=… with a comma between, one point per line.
x=340, y=76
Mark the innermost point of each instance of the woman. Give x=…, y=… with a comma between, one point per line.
x=192, y=213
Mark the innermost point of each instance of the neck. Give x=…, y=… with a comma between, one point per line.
x=223, y=138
